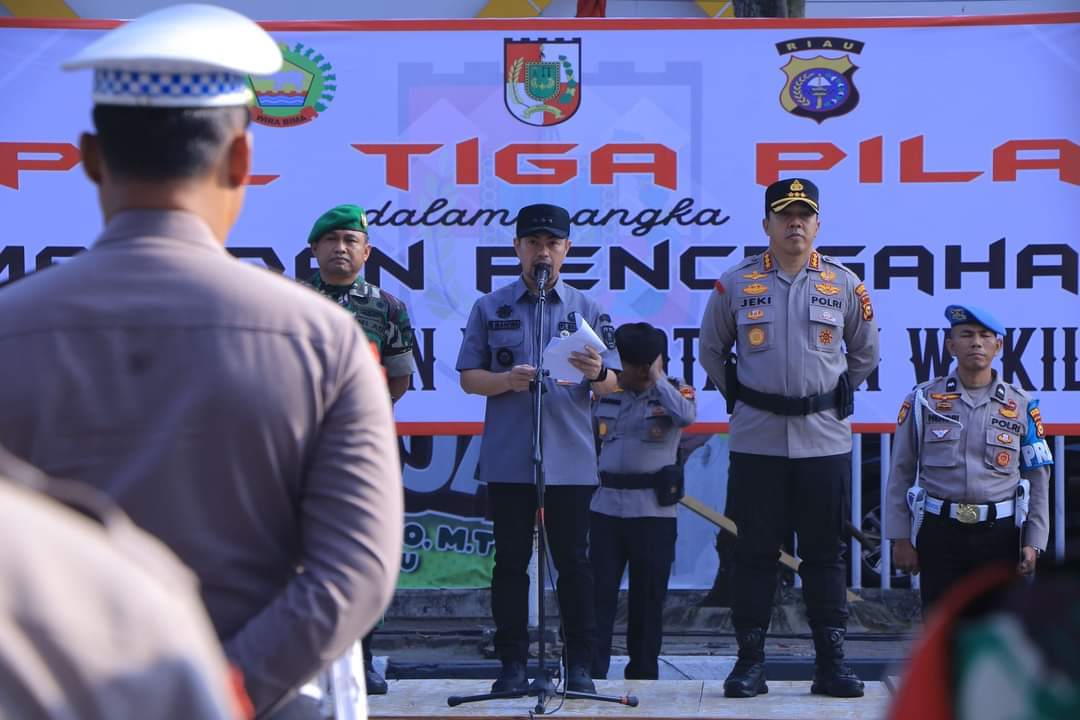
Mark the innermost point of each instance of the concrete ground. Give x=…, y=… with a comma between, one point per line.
x=448, y=634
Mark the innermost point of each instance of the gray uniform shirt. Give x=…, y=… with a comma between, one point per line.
x=639, y=433
x=976, y=463
x=98, y=620
x=793, y=337
x=500, y=334
x=232, y=413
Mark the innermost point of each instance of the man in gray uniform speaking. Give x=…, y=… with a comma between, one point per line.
x=237, y=416
x=633, y=512
x=970, y=473
x=496, y=361
x=805, y=337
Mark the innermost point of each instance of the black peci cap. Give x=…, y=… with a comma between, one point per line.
x=639, y=343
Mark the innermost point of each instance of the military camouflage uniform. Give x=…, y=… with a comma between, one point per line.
x=383, y=317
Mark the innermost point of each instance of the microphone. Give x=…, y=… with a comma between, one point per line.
x=541, y=273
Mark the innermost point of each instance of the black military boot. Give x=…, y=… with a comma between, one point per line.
x=747, y=678
x=512, y=678
x=832, y=676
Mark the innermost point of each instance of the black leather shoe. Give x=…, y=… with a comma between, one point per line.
x=747, y=678
x=832, y=676
x=578, y=680
x=374, y=682
x=512, y=678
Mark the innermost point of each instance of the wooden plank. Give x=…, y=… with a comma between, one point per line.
x=723, y=521
x=658, y=700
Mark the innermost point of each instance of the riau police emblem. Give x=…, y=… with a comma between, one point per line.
x=819, y=87
x=543, y=79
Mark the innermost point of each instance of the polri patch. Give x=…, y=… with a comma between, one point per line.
x=903, y=414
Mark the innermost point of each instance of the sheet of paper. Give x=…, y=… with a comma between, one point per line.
x=557, y=353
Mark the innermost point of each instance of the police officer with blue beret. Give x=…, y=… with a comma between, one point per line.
x=497, y=352
x=804, y=334
x=633, y=511
x=969, y=481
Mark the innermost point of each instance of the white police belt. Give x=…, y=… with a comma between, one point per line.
x=969, y=513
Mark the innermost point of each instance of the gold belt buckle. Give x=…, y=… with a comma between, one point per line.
x=967, y=513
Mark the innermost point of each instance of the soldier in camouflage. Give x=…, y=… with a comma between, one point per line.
x=339, y=242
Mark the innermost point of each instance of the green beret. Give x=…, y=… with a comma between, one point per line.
x=343, y=217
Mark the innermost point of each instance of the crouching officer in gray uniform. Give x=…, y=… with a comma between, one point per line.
x=805, y=337
x=495, y=361
x=970, y=466
x=633, y=511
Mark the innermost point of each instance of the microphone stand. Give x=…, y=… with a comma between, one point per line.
x=542, y=687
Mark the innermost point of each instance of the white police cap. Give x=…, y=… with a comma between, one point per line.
x=179, y=56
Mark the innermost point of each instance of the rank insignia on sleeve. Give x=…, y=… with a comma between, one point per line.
x=827, y=288
x=687, y=392
x=904, y=410
x=755, y=275
x=719, y=287
x=864, y=300
x=1009, y=411
x=1036, y=416
x=755, y=289
x=1002, y=458
x=756, y=336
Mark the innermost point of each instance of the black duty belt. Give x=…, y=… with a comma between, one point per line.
x=628, y=481
x=786, y=405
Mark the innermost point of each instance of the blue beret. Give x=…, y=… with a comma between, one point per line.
x=961, y=314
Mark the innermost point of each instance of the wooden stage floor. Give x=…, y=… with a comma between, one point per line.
x=659, y=700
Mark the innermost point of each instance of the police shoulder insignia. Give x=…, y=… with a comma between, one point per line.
x=687, y=392
x=904, y=410
x=718, y=285
x=602, y=427
x=1036, y=417
x=766, y=260
x=864, y=301
x=815, y=258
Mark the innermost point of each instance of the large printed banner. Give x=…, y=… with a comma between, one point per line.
x=946, y=152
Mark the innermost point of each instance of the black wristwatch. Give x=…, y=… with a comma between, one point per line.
x=602, y=375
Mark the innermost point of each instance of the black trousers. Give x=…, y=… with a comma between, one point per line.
x=566, y=513
x=768, y=498
x=647, y=544
x=949, y=550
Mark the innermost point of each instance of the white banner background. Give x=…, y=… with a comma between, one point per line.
x=707, y=90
